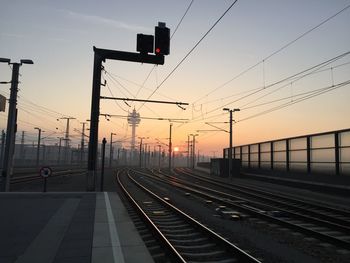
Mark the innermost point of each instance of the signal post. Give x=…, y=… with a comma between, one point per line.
x=159, y=44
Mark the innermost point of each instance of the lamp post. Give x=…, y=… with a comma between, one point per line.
x=188, y=151
x=11, y=124
x=141, y=138
x=82, y=146
x=230, y=148
x=38, y=147
x=59, y=150
x=170, y=145
x=159, y=154
x=193, y=148
x=111, y=150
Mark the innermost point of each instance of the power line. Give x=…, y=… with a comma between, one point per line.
x=191, y=50
x=292, y=82
x=154, y=66
x=306, y=97
x=318, y=66
x=274, y=53
x=116, y=103
x=254, y=89
x=182, y=18
x=116, y=81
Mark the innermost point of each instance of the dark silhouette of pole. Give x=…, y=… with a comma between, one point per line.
x=10, y=131
x=231, y=142
x=11, y=124
x=170, y=145
x=145, y=155
x=82, y=145
x=44, y=153
x=193, y=149
x=118, y=156
x=59, y=150
x=140, y=155
x=104, y=141
x=94, y=116
x=2, y=148
x=160, y=148
x=188, y=151
x=22, y=147
x=101, y=55
x=66, y=138
x=111, y=150
x=38, y=147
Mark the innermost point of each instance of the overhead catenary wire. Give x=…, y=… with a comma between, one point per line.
x=315, y=67
x=190, y=51
x=154, y=66
x=306, y=97
x=182, y=18
x=138, y=85
x=254, y=89
x=115, y=81
x=273, y=53
x=294, y=80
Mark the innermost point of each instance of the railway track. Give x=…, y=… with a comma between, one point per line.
x=295, y=218
x=186, y=239
x=283, y=202
x=31, y=176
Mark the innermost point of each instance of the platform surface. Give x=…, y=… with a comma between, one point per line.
x=67, y=227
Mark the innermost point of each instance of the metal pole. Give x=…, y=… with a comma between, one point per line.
x=2, y=148
x=193, y=150
x=67, y=138
x=10, y=131
x=111, y=150
x=66, y=142
x=149, y=157
x=145, y=155
x=94, y=117
x=104, y=141
x=22, y=147
x=38, y=148
x=230, y=149
x=160, y=148
x=141, y=153
x=118, y=156
x=188, y=151
x=230, y=175
x=59, y=151
x=82, y=144
x=170, y=146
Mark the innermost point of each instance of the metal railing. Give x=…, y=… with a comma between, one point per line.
x=321, y=153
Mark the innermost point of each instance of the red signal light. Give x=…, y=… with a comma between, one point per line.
x=161, y=39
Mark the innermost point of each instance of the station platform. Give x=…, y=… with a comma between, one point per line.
x=67, y=227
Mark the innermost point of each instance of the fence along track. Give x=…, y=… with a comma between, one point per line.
x=186, y=238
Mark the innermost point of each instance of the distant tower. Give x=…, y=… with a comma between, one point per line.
x=133, y=120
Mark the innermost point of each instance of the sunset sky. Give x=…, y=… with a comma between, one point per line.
x=249, y=61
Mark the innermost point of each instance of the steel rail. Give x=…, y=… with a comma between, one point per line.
x=237, y=252
x=260, y=194
x=36, y=177
x=255, y=212
x=150, y=222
